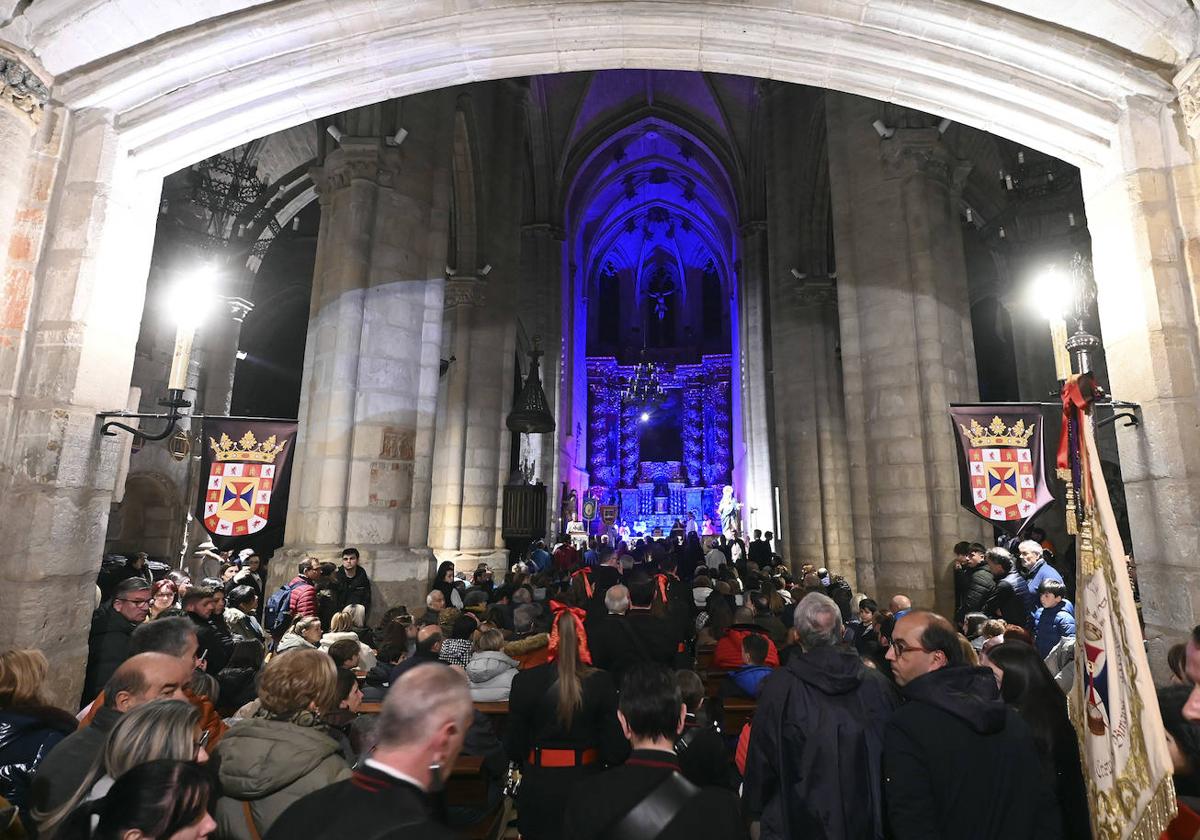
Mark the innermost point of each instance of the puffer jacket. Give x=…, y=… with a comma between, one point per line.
x=26, y=735
x=293, y=641
x=530, y=651
x=491, y=674
x=271, y=764
x=366, y=656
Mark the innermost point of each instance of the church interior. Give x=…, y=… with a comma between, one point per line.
x=768, y=263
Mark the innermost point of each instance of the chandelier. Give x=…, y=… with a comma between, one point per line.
x=645, y=385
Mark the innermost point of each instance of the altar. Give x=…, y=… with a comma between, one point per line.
x=658, y=461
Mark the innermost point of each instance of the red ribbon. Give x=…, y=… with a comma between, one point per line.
x=577, y=615
x=662, y=586
x=1077, y=395
x=587, y=580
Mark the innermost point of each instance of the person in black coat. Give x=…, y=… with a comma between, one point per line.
x=215, y=646
x=351, y=584
x=700, y=748
x=1027, y=686
x=978, y=582
x=1010, y=597
x=813, y=763
x=660, y=636
x=112, y=625
x=615, y=645
x=952, y=735
x=562, y=728
x=424, y=720
x=623, y=801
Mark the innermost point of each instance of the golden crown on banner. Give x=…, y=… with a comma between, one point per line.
x=998, y=433
x=246, y=449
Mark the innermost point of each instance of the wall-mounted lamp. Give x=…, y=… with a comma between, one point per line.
x=336, y=133
x=885, y=132
x=397, y=138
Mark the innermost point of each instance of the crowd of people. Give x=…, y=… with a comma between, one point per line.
x=220, y=708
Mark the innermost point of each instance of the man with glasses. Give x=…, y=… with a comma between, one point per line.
x=112, y=624
x=954, y=728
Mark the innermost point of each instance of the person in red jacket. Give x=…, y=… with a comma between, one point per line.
x=727, y=655
x=303, y=598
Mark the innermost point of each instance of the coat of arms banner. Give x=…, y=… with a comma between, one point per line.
x=1001, y=467
x=245, y=469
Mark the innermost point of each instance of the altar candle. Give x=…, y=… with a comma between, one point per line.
x=181, y=357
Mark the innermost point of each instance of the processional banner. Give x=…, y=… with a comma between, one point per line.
x=1001, y=470
x=1113, y=703
x=245, y=470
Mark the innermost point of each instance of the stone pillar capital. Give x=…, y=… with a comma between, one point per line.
x=358, y=159
x=921, y=150
x=1187, y=87
x=21, y=87
x=464, y=290
x=238, y=308
x=816, y=291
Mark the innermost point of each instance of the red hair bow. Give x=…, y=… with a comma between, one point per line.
x=577, y=615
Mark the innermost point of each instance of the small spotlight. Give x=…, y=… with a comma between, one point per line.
x=397, y=138
x=241, y=355
x=645, y=416
x=884, y=131
x=944, y=125
x=336, y=134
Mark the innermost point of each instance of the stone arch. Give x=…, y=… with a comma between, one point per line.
x=465, y=206
x=146, y=518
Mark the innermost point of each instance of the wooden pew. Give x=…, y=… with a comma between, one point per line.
x=738, y=711
x=467, y=786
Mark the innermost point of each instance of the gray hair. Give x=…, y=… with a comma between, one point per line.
x=1029, y=545
x=522, y=596
x=418, y=703
x=523, y=617
x=616, y=599
x=818, y=621
x=433, y=594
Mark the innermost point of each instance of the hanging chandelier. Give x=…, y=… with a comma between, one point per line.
x=645, y=385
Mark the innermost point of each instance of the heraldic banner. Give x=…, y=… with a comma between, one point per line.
x=1113, y=702
x=1001, y=471
x=244, y=472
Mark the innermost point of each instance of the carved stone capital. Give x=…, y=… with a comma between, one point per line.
x=358, y=160
x=920, y=150
x=22, y=88
x=1187, y=85
x=464, y=290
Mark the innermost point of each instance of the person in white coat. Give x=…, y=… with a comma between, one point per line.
x=491, y=671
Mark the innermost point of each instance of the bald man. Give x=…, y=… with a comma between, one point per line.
x=138, y=680
x=429, y=645
x=954, y=730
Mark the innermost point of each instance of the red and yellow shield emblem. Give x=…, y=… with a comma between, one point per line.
x=1002, y=482
x=237, y=500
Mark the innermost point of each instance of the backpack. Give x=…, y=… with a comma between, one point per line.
x=277, y=616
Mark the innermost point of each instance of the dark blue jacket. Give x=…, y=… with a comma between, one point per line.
x=748, y=678
x=1051, y=624
x=1041, y=571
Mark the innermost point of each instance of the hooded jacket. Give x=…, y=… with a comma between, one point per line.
x=727, y=654
x=813, y=762
x=530, y=651
x=1051, y=624
x=491, y=673
x=271, y=764
x=953, y=727
x=748, y=679
x=978, y=587
x=1040, y=571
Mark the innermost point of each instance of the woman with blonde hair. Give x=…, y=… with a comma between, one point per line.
x=562, y=725
x=30, y=725
x=341, y=628
x=160, y=729
x=285, y=751
x=304, y=634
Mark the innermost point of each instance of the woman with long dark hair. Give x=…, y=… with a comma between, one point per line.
x=1027, y=687
x=443, y=582
x=159, y=800
x=562, y=726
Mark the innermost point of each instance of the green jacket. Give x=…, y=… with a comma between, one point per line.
x=271, y=764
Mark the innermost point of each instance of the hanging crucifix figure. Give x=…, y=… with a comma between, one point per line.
x=659, y=289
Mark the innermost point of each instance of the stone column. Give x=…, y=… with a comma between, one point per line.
x=78, y=339
x=906, y=342
x=221, y=337
x=1144, y=215
x=752, y=408
x=369, y=395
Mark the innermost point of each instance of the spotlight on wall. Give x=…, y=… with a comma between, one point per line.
x=645, y=416
x=397, y=138
x=882, y=130
x=486, y=270
x=944, y=125
x=241, y=355
x=335, y=133
x=798, y=274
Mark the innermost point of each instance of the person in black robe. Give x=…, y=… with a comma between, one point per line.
x=624, y=801
x=562, y=727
